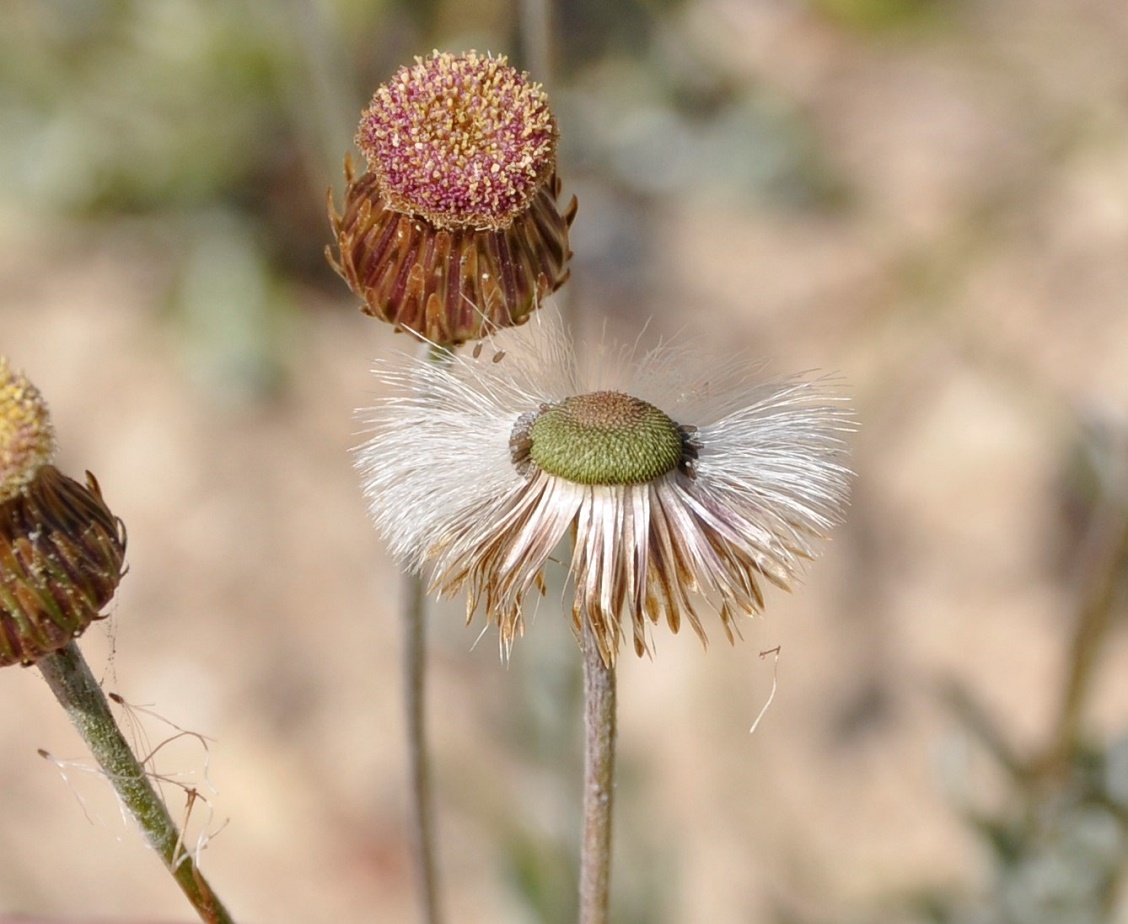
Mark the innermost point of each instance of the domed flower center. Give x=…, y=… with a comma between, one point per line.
x=602, y=438
x=461, y=140
x=27, y=440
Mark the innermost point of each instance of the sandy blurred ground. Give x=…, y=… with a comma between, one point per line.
x=973, y=292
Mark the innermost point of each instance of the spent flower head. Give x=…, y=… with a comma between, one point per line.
x=62, y=553
x=685, y=486
x=455, y=228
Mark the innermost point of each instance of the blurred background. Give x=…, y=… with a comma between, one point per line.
x=927, y=196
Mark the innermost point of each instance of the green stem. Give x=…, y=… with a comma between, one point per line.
x=80, y=695
x=599, y=782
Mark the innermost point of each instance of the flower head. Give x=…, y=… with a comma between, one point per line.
x=455, y=229
x=27, y=439
x=685, y=487
x=460, y=140
x=62, y=552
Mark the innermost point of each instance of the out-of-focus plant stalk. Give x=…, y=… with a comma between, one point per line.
x=536, y=39
x=1103, y=558
x=76, y=689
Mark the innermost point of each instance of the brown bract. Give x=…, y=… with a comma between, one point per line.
x=448, y=285
x=62, y=555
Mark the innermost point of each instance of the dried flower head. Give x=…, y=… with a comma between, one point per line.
x=62, y=552
x=455, y=229
x=685, y=486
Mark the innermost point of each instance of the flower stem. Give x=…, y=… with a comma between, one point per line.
x=74, y=686
x=415, y=688
x=599, y=781
x=415, y=664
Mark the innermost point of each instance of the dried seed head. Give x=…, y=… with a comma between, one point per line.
x=27, y=439
x=456, y=229
x=62, y=552
x=685, y=487
x=601, y=438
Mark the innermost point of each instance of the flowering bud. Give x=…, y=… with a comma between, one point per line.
x=62, y=552
x=455, y=229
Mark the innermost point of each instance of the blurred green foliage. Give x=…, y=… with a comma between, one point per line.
x=110, y=108
x=882, y=14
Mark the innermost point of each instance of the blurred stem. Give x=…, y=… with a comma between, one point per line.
x=537, y=20
x=536, y=40
x=415, y=689
x=74, y=686
x=983, y=728
x=1103, y=560
x=599, y=781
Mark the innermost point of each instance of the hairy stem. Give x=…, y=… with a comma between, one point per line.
x=599, y=782
x=80, y=695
